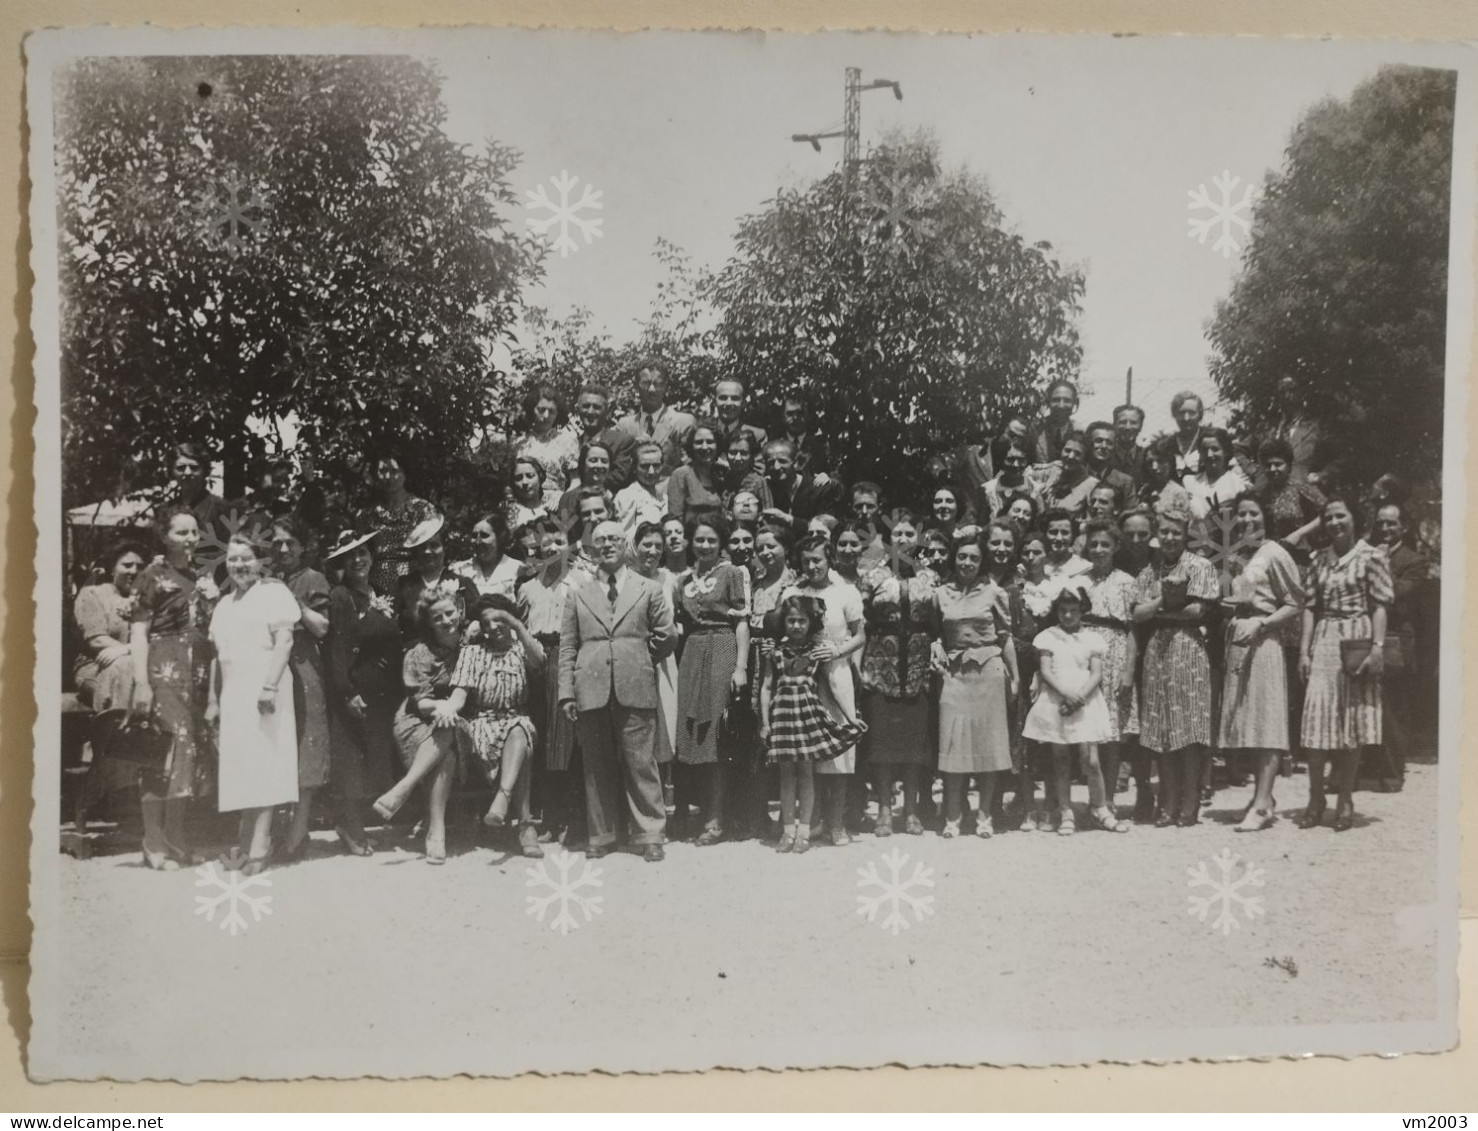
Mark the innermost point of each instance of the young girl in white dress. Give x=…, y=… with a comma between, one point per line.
x=1070, y=711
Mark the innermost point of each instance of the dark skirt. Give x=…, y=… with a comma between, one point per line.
x=556, y=732
x=363, y=762
x=704, y=683
x=897, y=730
x=310, y=702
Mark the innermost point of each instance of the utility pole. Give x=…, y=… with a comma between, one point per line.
x=851, y=131
x=1129, y=386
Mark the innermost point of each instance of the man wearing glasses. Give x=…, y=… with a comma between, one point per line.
x=1100, y=436
x=617, y=625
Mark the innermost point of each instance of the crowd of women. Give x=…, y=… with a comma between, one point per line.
x=1068, y=605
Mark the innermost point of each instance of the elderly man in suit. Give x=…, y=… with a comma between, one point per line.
x=617, y=625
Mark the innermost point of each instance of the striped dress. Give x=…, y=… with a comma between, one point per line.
x=1113, y=619
x=498, y=691
x=1175, y=704
x=1342, y=712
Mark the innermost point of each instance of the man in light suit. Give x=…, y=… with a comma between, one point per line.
x=616, y=626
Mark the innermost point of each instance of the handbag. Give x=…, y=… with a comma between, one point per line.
x=135, y=742
x=1352, y=654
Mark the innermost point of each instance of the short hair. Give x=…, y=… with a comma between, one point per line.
x=1134, y=408
x=1176, y=512
x=498, y=523
x=730, y=381
x=866, y=487
x=490, y=601
x=193, y=449
x=1062, y=383
x=1031, y=501
x=977, y=540
x=645, y=529
x=108, y=560
x=851, y=526
x=1058, y=514
x=742, y=435
x=591, y=491
x=827, y=520
x=1164, y=450
x=650, y=446
x=1275, y=447
x=1357, y=515
x=738, y=524
x=1010, y=528
x=800, y=397
x=294, y=524
x=1220, y=435
x=780, y=533
x=652, y=364
x=666, y=518
x=1100, y=526
x=430, y=597
x=536, y=464
x=585, y=451
x=935, y=533
x=1098, y=426
x=817, y=541
x=1028, y=536
x=781, y=442
x=898, y=516
x=594, y=389
x=714, y=519
x=1137, y=511
x=808, y=606
x=705, y=424
x=544, y=391
x=549, y=525
x=1069, y=591
x=1177, y=402
x=166, y=516
x=1081, y=439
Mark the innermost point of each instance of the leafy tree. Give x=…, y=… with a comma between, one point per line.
x=905, y=307
x=1338, y=317
x=359, y=298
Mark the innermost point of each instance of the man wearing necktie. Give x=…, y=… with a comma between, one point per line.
x=617, y=626
x=656, y=420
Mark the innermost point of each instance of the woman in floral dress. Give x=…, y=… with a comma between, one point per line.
x=493, y=673
x=550, y=440
x=394, y=515
x=1111, y=592
x=1172, y=596
x=171, y=670
x=364, y=659
x=1350, y=594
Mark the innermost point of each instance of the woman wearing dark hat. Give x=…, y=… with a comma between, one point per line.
x=429, y=569
x=364, y=686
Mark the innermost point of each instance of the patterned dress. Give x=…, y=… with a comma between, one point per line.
x=895, y=669
x=1175, y=707
x=310, y=680
x=101, y=614
x=1254, y=700
x=427, y=674
x=710, y=655
x=498, y=692
x=842, y=606
x=176, y=611
x=1112, y=618
x=1341, y=711
x=557, y=456
x=391, y=556
x=801, y=727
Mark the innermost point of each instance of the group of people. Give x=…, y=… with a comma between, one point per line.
x=666, y=622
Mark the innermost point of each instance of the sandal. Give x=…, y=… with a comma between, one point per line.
x=528, y=842
x=983, y=826
x=1106, y=820
x=160, y=862
x=498, y=811
x=436, y=849
x=1067, y=824
x=387, y=805
x=951, y=830
x=1039, y=821
x=356, y=843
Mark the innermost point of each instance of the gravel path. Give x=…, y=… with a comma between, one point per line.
x=736, y=955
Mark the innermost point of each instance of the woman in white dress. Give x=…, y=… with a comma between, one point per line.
x=251, y=698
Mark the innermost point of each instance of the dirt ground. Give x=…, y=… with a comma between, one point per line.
x=737, y=955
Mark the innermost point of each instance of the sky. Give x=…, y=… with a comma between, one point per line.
x=1093, y=145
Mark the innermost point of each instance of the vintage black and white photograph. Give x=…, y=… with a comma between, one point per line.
x=568, y=551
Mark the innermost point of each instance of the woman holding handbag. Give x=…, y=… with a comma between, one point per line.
x=1341, y=657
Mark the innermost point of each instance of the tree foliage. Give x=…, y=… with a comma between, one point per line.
x=1338, y=317
x=904, y=306
x=361, y=303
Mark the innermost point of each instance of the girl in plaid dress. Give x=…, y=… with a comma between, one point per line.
x=796, y=727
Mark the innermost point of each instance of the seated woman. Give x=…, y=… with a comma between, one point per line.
x=103, y=674
x=429, y=728
x=493, y=674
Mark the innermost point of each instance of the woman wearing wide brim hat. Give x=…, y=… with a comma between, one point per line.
x=426, y=547
x=364, y=682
